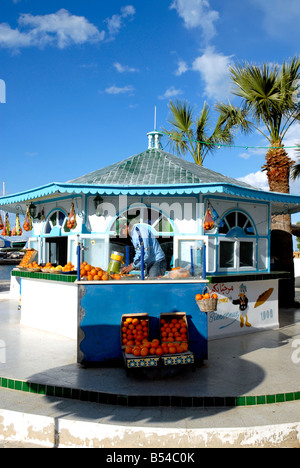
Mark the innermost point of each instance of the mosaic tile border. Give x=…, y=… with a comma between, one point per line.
x=46, y=276
x=144, y=400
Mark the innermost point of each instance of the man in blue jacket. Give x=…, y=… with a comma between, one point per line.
x=154, y=257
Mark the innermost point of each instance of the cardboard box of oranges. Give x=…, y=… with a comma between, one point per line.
x=171, y=348
x=134, y=330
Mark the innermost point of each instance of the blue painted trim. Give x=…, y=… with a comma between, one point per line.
x=145, y=190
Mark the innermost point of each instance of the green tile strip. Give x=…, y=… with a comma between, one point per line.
x=47, y=276
x=144, y=400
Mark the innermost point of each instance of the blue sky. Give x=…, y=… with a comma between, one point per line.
x=83, y=78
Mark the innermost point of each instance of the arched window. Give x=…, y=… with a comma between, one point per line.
x=236, y=224
x=237, y=242
x=57, y=221
x=160, y=224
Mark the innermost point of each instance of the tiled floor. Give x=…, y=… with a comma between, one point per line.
x=255, y=369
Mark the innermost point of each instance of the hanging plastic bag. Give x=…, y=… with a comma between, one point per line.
x=1, y=223
x=28, y=221
x=17, y=230
x=71, y=224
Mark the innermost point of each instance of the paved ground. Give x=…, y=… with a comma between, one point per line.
x=259, y=364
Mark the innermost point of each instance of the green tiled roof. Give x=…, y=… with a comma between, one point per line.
x=154, y=167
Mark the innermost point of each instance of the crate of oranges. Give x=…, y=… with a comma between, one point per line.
x=28, y=258
x=134, y=329
x=175, y=338
x=137, y=349
x=174, y=327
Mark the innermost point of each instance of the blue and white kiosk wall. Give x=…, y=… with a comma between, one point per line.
x=235, y=262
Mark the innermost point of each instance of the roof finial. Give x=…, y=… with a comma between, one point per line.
x=154, y=138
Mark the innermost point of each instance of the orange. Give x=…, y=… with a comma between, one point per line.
x=184, y=346
x=174, y=320
x=214, y=296
x=155, y=343
x=152, y=350
x=198, y=297
x=146, y=344
x=93, y=272
x=159, y=351
x=128, y=350
x=206, y=296
x=172, y=349
x=136, y=352
x=135, y=321
x=144, y=323
x=90, y=278
x=105, y=277
x=96, y=278
x=88, y=267
x=144, y=351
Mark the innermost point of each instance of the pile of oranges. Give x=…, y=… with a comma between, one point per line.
x=92, y=273
x=68, y=267
x=173, y=329
x=155, y=348
x=200, y=297
x=33, y=265
x=27, y=257
x=135, y=333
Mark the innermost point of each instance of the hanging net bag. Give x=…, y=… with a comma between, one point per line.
x=6, y=231
x=71, y=224
x=1, y=223
x=208, y=220
x=28, y=221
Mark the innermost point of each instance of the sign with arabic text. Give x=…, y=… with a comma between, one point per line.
x=243, y=307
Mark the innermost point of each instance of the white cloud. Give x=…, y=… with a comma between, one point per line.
x=182, y=68
x=124, y=68
x=213, y=68
x=120, y=90
x=60, y=29
x=170, y=93
x=115, y=23
x=197, y=13
x=244, y=155
x=256, y=179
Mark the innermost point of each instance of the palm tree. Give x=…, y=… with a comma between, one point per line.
x=191, y=136
x=268, y=97
x=295, y=171
x=268, y=100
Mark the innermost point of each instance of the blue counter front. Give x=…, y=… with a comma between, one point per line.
x=102, y=305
